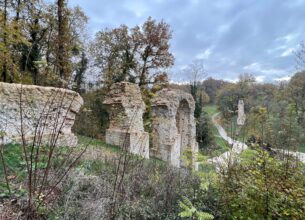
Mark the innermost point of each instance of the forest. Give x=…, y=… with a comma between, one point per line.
x=48, y=44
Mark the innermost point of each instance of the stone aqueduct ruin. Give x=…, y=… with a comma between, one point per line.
x=173, y=123
x=43, y=115
x=51, y=113
x=174, y=128
x=126, y=107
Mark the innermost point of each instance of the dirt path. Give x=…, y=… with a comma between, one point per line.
x=237, y=147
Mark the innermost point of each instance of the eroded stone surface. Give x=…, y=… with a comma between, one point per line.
x=241, y=113
x=126, y=107
x=174, y=127
x=46, y=113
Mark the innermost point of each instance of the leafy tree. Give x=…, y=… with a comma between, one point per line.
x=211, y=87
x=134, y=54
x=80, y=71
x=228, y=99
x=11, y=35
x=229, y=95
x=113, y=53
x=36, y=30
x=296, y=88
x=153, y=52
x=203, y=131
x=62, y=42
x=262, y=186
x=190, y=212
x=39, y=41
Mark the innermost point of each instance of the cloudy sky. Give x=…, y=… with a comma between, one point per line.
x=230, y=36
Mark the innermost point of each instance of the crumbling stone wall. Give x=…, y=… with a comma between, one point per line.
x=126, y=107
x=46, y=113
x=174, y=127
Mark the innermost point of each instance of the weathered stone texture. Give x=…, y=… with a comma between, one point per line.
x=49, y=112
x=241, y=113
x=126, y=107
x=174, y=127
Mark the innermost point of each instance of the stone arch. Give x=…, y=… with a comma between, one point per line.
x=173, y=123
x=182, y=123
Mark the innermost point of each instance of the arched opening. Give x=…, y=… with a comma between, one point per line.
x=182, y=123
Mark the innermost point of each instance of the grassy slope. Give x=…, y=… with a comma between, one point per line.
x=221, y=145
x=97, y=155
x=302, y=148
x=82, y=140
x=15, y=169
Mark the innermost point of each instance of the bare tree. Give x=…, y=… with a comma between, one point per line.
x=197, y=72
x=300, y=57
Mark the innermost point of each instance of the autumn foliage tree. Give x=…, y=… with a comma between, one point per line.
x=296, y=89
x=262, y=186
x=211, y=87
x=40, y=41
x=10, y=36
x=137, y=54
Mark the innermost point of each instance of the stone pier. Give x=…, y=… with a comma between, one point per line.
x=126, y=107
x=241, y=113
x=174, y=127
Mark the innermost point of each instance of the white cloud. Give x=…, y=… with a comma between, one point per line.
x=182, y=67
x=204, y=55
x=232, y=63
x=253, y=67
x=287, y=52
x=226, y=34
x=287, y=38
x=232, y=80
x=223, y=28
x=257, y=68
x=137, y=7
x=276, y=49
x=260, y=78
x=284, y=78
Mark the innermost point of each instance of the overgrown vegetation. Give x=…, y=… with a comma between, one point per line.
x=217, y=144
x=37, y=164
x=149, y=190
x=93, y=119
x=275, y=110
x=45, y=43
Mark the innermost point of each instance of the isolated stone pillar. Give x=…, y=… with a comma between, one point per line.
x=174, y=127
x=241, y=113
x=126, y=107
x=44, y=115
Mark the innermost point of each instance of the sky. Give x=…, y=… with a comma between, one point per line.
x=230, y=37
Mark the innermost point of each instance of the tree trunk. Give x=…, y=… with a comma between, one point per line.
x=18, y=10
x=4, y=69
x=61, y=34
